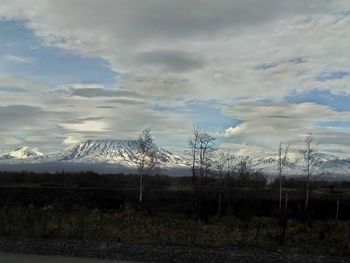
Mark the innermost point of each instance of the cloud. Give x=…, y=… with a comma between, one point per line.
x=167, y=53
x=226, y=40
x=15, y=117
x=170, y=60
x=94, y=91
x=18, y=59
x=7, y=81
x=239, y=149
x=99, y=92
x=30, y=125
x=126, y=101
x=267, y=124
x=86, y=126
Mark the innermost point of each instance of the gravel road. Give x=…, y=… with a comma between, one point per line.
x=25, y=258
x=154, y=253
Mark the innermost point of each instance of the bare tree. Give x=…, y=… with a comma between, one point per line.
x=224, y=166
x=312, y=161
x=246, y=173
x=202, y=148
x=282, y=159
x=245, y=165
x=146, y=159
x=244, y=169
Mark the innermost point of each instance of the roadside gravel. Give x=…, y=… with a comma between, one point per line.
x=155, y=253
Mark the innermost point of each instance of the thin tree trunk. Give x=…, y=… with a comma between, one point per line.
x=337, y=211
x=307, y=196
x=141, y=187
x=284, y=221
x=280, y=177
x=280, y=193
x=219, y=205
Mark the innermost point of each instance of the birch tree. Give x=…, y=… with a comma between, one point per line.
x=202, y=148
x=312, y=161
x=146, y=159
x=224, y=167
x=282, y=159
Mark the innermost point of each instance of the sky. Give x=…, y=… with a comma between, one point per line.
x=251, y=73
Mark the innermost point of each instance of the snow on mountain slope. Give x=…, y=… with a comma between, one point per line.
x=95, y=153
x=330, y=164
x=21, y=153
x=121, y=152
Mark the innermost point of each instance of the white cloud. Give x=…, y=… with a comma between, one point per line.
x=162, y=41
x=267, y=124
x=18, y=59
x=167, y=52
x=87, y=126
x=71, y=140
x=239, y=149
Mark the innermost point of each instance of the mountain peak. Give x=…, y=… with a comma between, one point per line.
x=114, y=151
x=21, y=152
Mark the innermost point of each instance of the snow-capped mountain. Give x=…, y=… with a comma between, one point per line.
x=119, y=156
x=104, y=156
x=269, y=164
x=21, y=153
x=121, y=152
x=329, y=164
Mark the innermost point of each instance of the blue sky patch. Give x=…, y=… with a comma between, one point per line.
x=12, y=90
x=338, y=125
x=49, y=65
x=337, y=102
x=332, y=75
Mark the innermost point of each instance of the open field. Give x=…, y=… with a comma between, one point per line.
x=237, y=201
x=326, y=236
x=105, y=209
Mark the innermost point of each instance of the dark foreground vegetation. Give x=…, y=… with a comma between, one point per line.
x=88, y=206
x=324, y=236
x=243, y=198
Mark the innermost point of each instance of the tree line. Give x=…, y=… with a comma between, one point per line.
x=208, y=162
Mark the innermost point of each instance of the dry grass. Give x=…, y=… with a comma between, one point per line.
x=324, y=236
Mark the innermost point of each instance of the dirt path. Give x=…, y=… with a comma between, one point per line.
x=25, y=258
x=154, y=253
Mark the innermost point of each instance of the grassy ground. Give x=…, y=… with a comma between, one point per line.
x=330, y=237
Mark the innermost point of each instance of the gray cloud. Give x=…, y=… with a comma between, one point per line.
x=100, y=92
x=30, y=125
x=18, y=116
x=126, y=101
x=105, y=107
x=171, y=60
x=174, y=19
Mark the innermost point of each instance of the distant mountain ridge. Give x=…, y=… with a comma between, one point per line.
x=115, y=152
x=119, y=155
x=329, y=164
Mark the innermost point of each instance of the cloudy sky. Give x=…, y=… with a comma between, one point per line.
x=251, y=72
